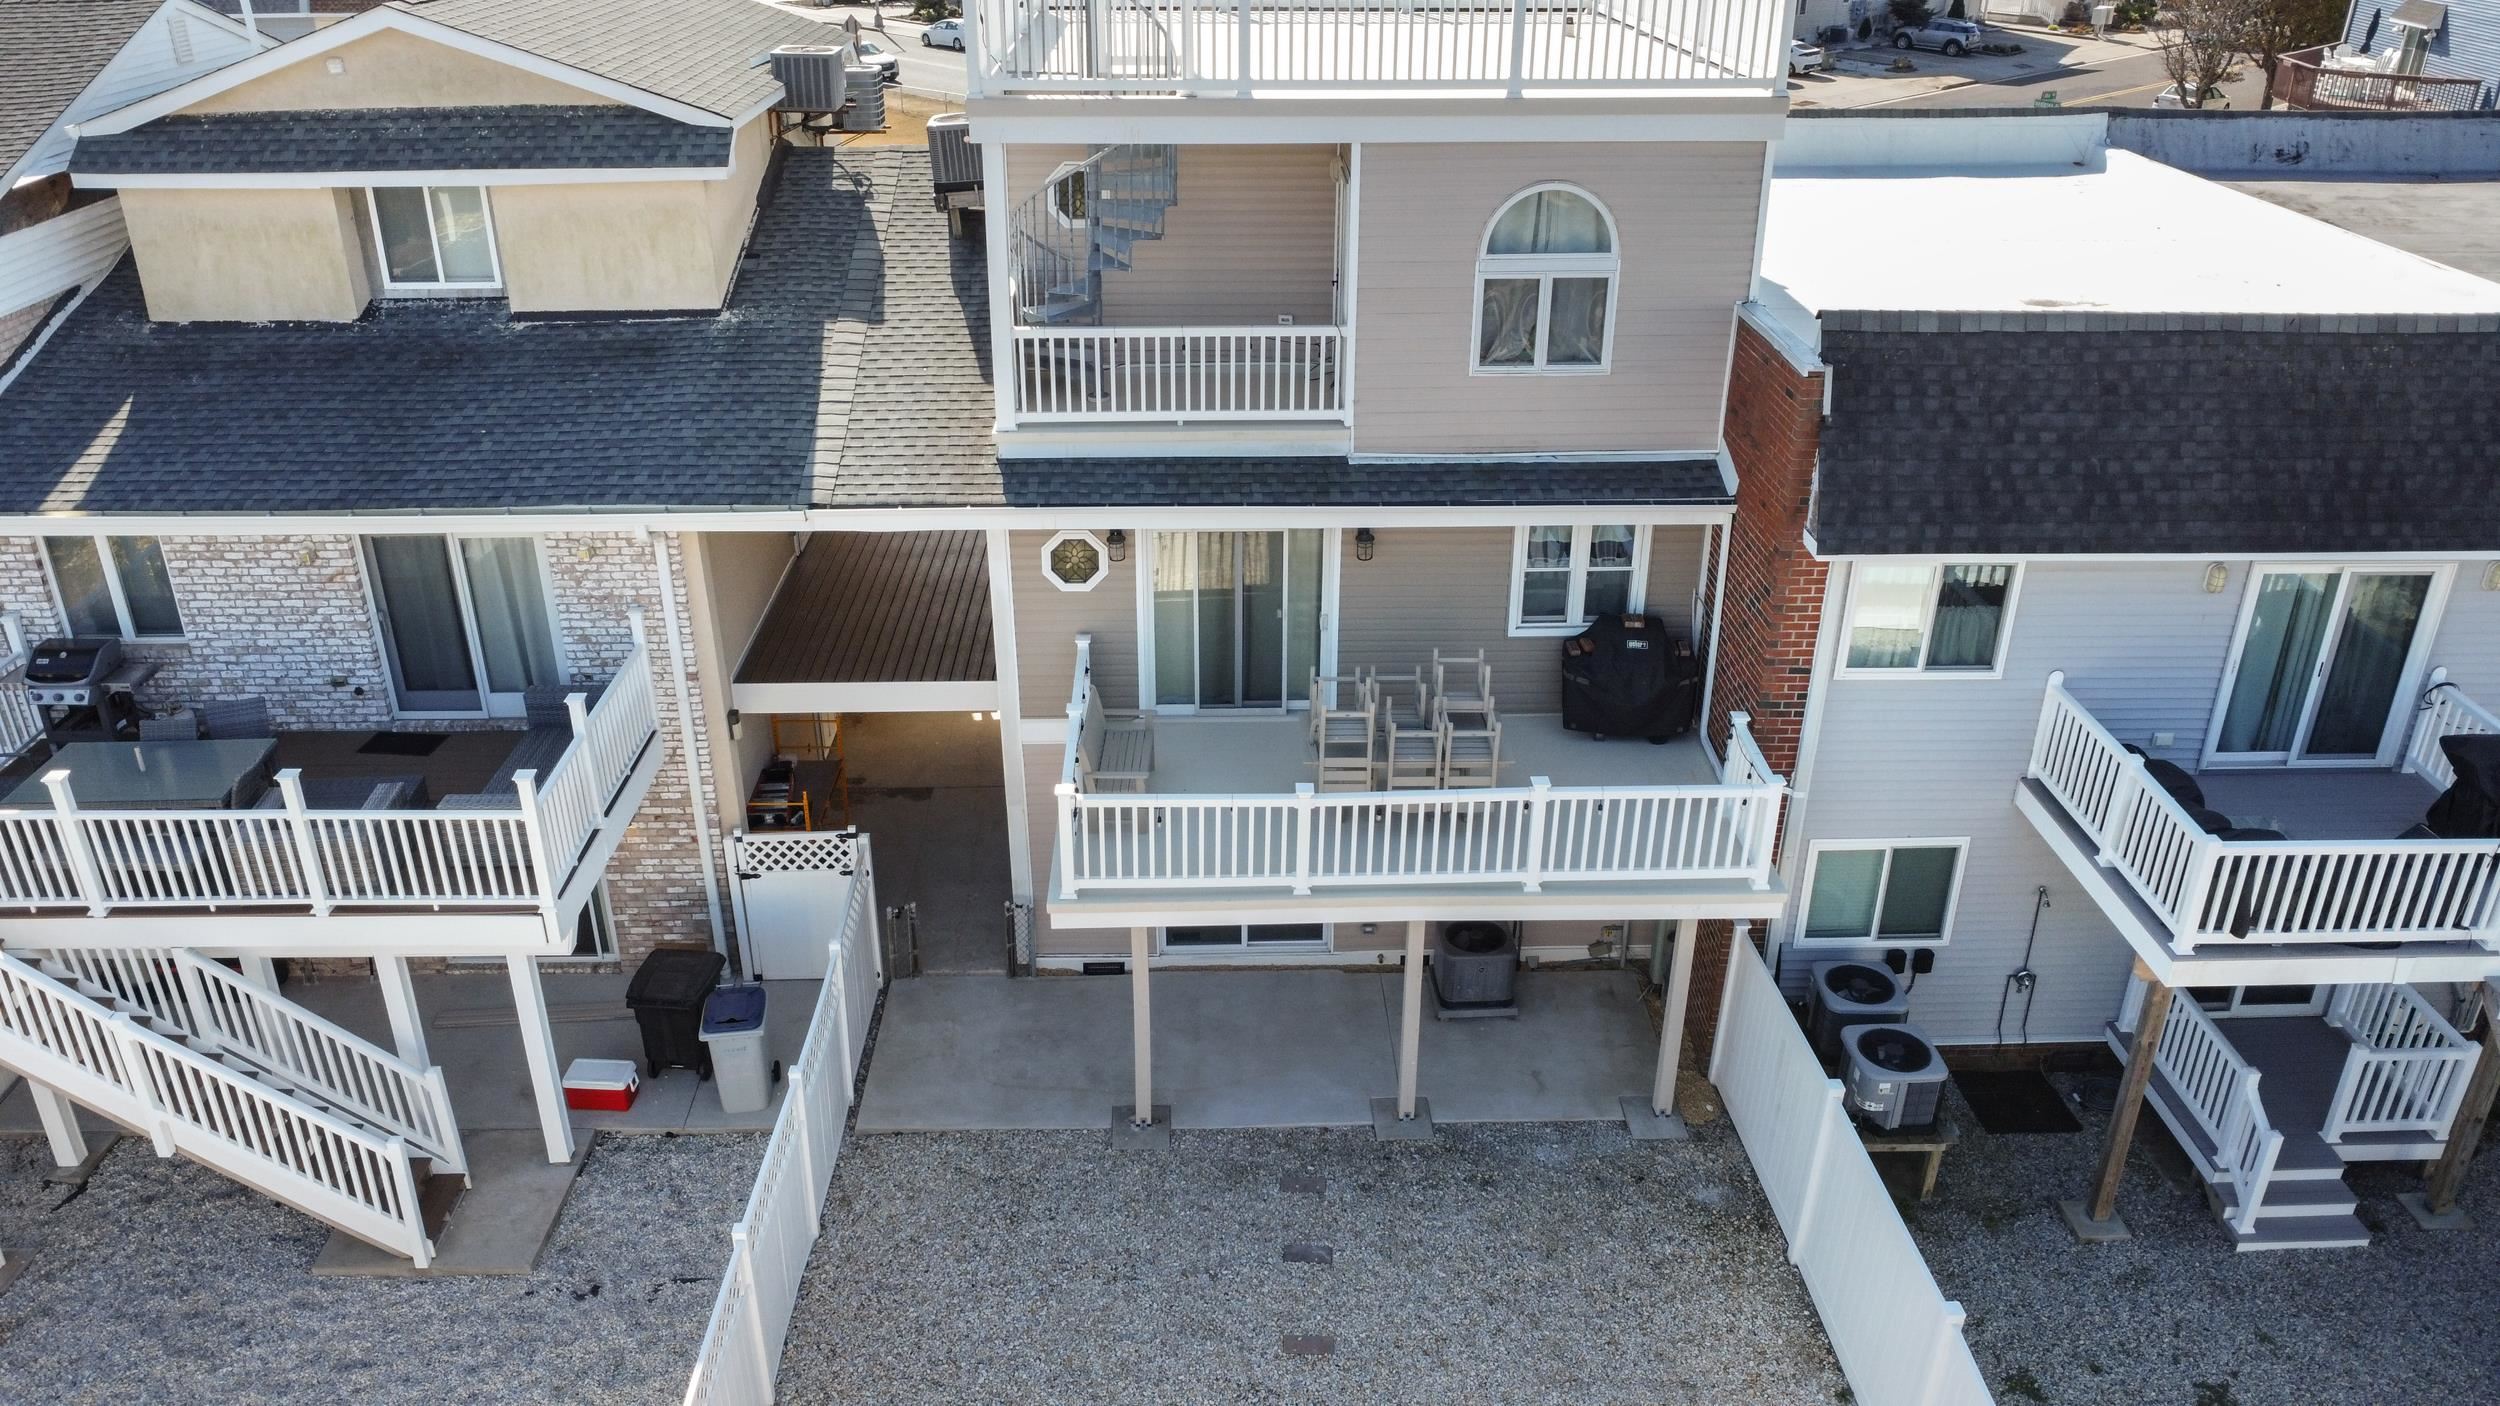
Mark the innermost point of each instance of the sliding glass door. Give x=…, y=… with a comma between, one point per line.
x=1236, y=618
x=465, y=622
x=2324, y=660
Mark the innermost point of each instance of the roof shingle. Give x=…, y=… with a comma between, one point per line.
x=704, y=53
x=609, y=136
x=50, y=50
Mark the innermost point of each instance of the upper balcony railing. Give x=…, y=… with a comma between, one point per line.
x=69, y=858
x=1241, y=47
x=2312, y=80
x=2207, y=889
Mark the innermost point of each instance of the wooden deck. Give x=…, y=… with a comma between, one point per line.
x=2314, y=803
x=462, y=764
x=879, y=607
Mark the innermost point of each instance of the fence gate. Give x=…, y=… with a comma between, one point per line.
x=790, y=889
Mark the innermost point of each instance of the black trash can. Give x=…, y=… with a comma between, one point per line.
x=666, y=997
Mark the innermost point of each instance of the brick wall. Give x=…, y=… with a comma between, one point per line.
x=1774, y=591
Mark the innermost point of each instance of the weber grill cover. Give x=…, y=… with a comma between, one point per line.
x=1629, y=676
x=2470, y=808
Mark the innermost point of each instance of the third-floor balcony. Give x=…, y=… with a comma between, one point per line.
x=1503, y=47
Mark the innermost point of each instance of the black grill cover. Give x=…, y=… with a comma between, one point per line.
x=2470, y=808
x=1629, y=676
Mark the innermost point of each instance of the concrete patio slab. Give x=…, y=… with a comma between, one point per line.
x=1387, y=1126
x=500, y=1225
x=1581, y=1042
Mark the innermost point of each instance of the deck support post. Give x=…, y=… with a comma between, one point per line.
x=538, y=1047
x=2098, y=1220
x=1679, y=990
x=261, y=972
x=60, y=1124
x=1410, y=1019
x=1141, y=1025
x=399, y=998
x=2438, y=1210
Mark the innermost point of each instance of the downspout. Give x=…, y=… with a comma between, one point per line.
x=698, y=786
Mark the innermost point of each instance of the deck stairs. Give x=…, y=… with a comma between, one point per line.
x=2377, y=1080
x=208, y=1066
x=1060, y=261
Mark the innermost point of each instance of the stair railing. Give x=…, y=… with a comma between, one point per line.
x=2407, y=1068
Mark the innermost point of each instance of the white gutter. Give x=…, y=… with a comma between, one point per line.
x=697, y=787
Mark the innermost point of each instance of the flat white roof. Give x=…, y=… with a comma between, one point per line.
x=2110, y=232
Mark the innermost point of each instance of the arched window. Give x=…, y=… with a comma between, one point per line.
x=1545, y=285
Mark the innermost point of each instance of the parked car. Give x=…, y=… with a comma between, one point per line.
x=2173, y=96
x=1952, y=38
x=945, y=34
x=1806, y=58
x=887, y=63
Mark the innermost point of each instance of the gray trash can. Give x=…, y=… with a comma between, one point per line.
x=733, y=1031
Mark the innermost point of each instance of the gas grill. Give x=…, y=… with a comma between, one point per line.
x=83, y=683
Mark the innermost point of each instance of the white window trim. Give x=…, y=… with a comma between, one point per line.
x=1960, y=845
x=382, y=260
x=1927, y=623
x=1581, y=534
x=1050, y=196
x=112, y=585
x=1545, y=268
x=1102, y=558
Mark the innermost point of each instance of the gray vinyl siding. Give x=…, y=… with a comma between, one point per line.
x=1428, y=588
x=1685, y=214
x=2467, y=46
x=1253, y=238
x=2144, y=646
x=1048, y=620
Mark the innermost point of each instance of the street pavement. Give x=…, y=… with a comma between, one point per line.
x=2123, y=70
x=937, y=73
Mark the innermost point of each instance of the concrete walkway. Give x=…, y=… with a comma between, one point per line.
x=1249, y=1049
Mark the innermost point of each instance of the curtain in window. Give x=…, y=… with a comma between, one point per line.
x=511, y=605
x=407, y=242
x=1888, y=605
x=1970, y=610
x=146, y=588
x=1549, y=222
x=460, y=234
x=1609, y=587
x=1508, y=337
x=421, y=613
x=1175, y=620
x=2284, y=633
x=1545, y=587
x=1578, y=336
x=2380, y=614
x=84, y=595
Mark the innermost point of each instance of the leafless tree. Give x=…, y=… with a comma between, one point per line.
x=2202, y=44
x=2278, y=27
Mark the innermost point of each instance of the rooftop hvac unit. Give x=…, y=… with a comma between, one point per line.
x=954, y=162
x=866, y=110
x=1895, y=1077
x=1852, y=993
x=811, y=75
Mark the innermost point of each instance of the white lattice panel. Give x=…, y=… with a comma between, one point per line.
x=805, y=852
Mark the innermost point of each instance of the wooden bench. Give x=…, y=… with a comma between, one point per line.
x=1114, y=754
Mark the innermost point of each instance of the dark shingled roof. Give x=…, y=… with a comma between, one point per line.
x=2119, y=434
x=404, y=139
x=704, y=53
x=50, y=50
x=850, y=370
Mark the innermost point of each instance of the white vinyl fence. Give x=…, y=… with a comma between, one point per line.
x=1899, y=1340
x=769, y=1246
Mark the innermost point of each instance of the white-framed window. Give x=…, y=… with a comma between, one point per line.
x=1918, y=618
x=1545, y=286
x=1067, y=194
x=467, y=623
x=1564, y=575
x=113, y=586
x=434, y=239
x=1891, y=893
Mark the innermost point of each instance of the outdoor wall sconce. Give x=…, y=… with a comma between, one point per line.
x=2217, y=576
x=1364, y=544
x=2491, y=577
x=1117, y=541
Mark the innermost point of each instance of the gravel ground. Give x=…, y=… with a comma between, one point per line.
x=1504, y=1263
x=2174, y=1315
x=165, y=1282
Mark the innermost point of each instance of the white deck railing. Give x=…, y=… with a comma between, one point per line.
x=2217, y=1088
x=2207, y=889
x=2407, y=1069
x=1519, y=837
x=1180, y=373
x=741, y=1354
x=358, y=1180
x=1239, y=47
x=2445, y=712
x=1899, y=1340
x=108, y=861
x=240, y=1021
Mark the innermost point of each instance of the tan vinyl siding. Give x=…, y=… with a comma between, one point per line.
x=1253, y=238
x=392, y=69
x=1048, y=621
x=1449, y=588
x=1685, y=214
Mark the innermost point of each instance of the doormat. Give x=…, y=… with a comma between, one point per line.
x=402, y=744
x=2022, y=1101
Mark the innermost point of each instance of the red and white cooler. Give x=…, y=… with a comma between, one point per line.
x=601, y=1085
